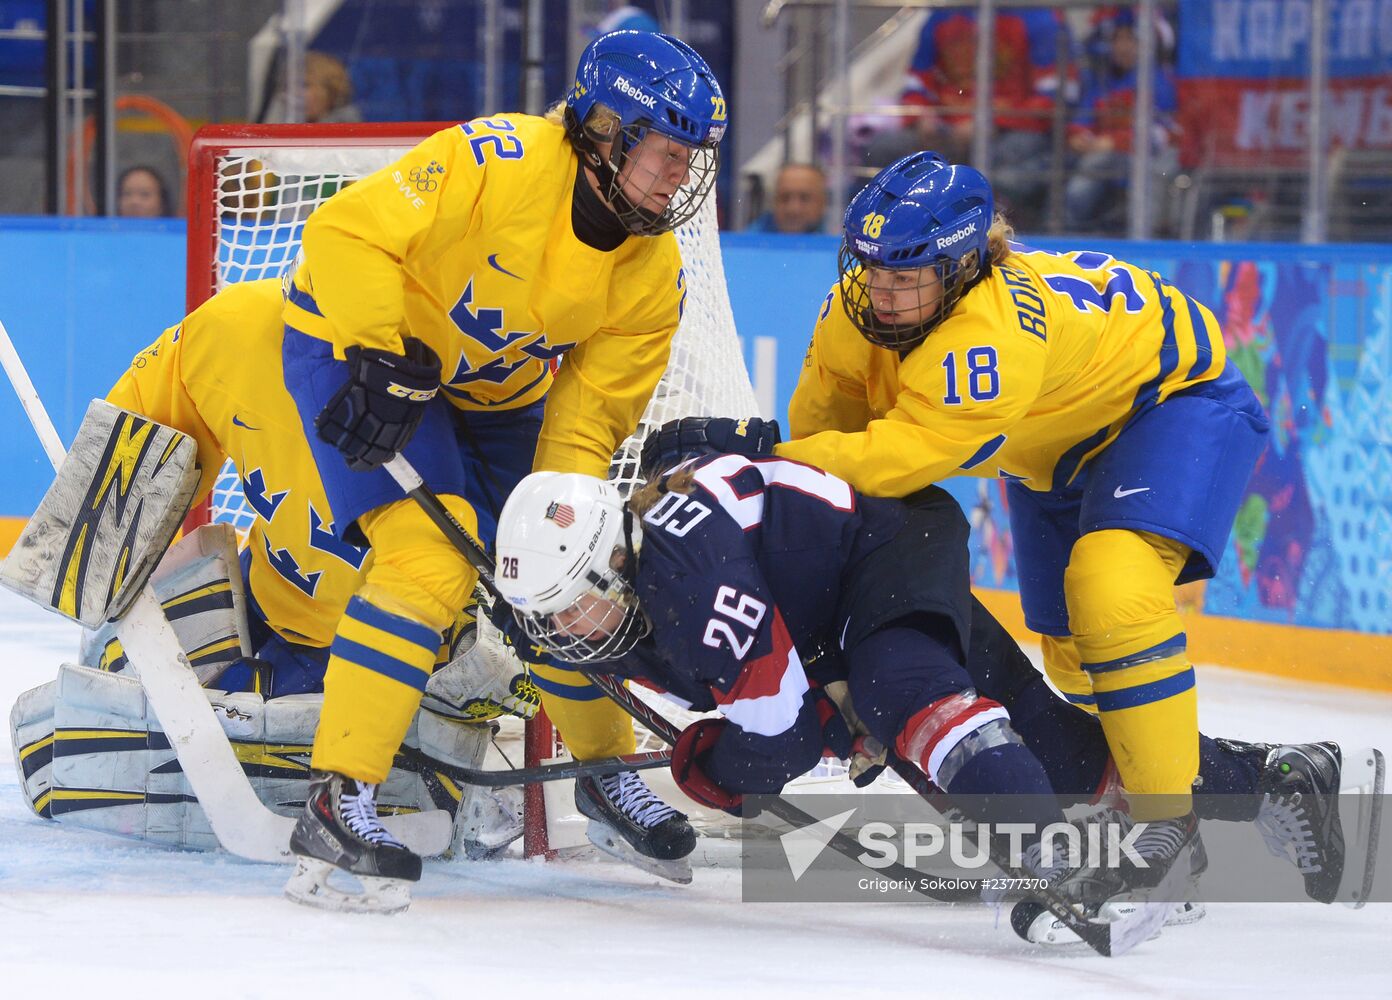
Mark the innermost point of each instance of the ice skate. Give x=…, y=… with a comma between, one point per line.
x=1300, y=817
x=339, y=831
x=1106, y=896
x=629, y=822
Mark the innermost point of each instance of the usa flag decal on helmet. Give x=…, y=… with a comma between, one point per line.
x=562, y=513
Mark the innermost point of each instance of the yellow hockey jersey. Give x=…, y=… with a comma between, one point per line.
x=1033, y=372
x=466, y=243
x=216, y=377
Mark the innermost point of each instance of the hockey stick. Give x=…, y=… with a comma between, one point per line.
x=241, y=822
x=1108, y=939
x=494, y=778
x=644, y=714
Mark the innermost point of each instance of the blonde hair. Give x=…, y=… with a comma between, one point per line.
x=555, y=114
x=323, y=70
x=652, y=492
x=998, y=239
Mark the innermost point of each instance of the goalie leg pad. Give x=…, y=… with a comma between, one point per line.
x=486, y=820
x=31, y=736
x=113, y=769
x=103, y=525
x=199, y=585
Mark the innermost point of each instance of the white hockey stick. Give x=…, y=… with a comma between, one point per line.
x=241, y=822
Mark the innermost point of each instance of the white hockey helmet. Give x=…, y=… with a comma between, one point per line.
x=565, y=551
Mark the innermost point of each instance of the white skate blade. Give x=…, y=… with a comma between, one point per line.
x=1146, y=920
x=425, y=833
x=1361, y=780
x=608, y=840
x=309, y=886
x=1190, y=912
x=1048, y=930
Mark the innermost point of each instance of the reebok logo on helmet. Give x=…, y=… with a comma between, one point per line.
x=946, y=241
x=624, y=87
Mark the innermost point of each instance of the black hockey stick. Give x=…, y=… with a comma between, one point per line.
x=1106, y=939
x=501, y=778
x=645, y=715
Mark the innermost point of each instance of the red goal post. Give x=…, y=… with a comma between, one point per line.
x=250, y=189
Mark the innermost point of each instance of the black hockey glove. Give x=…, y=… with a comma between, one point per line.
x=687, y=436
x=376, y=411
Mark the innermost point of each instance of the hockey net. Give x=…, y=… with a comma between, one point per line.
x=251, y=188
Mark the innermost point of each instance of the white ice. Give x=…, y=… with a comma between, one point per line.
x=83, y=914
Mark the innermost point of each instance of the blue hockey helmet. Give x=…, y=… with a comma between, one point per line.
x=629, y=83
x=920, y=214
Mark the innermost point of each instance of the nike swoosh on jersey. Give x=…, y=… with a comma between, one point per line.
x=493, y=263
x=1119, y=492
x=237, y=422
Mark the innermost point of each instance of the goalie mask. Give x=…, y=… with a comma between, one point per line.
x=915, y=242
x=657, y=102
x=565, y=551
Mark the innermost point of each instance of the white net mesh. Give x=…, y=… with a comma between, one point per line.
x=264, y=196
x=705, y=374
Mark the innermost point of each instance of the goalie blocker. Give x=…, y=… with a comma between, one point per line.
x=102, y=527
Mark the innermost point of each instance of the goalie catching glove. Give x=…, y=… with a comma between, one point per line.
x=376, y=411
x=687, y=436
x=484, y=678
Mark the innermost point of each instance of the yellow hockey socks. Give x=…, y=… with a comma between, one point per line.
x=1131, y=644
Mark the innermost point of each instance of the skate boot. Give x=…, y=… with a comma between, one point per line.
x=339, y=830
x=1299, y=816
x=1103, y=894
x=1171, y=852
x=628, y=821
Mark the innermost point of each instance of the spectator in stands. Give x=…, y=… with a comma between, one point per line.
x=328, y=93
x=799, y=201
x=142, y=194
x=1100, y=133
x=942, y=81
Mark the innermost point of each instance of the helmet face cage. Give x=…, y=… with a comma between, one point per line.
x=954, y=277
x=584, y=639
x=685, y=202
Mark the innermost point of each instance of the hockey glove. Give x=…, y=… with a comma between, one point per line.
x=847, y=736
x=688, y=766
x=500, y=615
x=483, y=679
x=679, y=439
x=376, y=411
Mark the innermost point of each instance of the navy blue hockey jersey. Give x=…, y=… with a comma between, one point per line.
x=742, y=580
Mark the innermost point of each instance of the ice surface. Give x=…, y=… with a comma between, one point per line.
x=87, y=914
